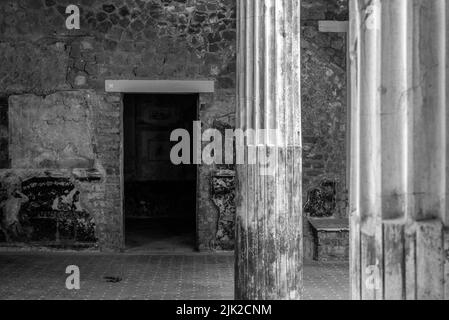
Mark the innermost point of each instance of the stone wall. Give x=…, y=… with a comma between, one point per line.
x=119, y=39
x=216, y=111
x=58, y=156
x=166, y=39
x=331, y=246
x=324, y=113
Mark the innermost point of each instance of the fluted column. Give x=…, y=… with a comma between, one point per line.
x=399, y=166
x=269, y=218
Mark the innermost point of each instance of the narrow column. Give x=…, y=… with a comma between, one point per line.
x=399, y=157
x=269, y=214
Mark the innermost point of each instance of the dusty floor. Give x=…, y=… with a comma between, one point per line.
x=156, y=277
x=159, y=235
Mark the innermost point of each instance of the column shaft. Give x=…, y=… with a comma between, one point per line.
x=399, y=157
x=269, y=213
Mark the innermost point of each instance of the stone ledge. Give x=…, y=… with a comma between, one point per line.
x=330, y=224
x=331, y=239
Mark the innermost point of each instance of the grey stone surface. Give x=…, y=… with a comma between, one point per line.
x=52, y=132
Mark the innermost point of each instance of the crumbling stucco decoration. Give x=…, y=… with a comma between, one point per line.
x=322, y=200
x=10, y=205
x=223, y=189
x=10, y=208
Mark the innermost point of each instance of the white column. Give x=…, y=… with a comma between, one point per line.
x=399, y=157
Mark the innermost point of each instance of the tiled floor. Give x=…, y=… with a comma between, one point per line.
x=175, y=277
x=326, y=281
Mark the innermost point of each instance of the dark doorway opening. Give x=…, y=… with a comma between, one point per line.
x=160, y=197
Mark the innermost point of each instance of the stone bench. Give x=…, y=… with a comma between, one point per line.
x=331, y=239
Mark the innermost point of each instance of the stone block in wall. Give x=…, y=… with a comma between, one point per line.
x=331, y=239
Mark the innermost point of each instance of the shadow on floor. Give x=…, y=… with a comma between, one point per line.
x=159, y=235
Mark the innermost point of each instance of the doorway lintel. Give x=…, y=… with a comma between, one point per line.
x=160, y=86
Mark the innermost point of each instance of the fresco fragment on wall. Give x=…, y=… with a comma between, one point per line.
x=44, y=210
x=322, y=201
x=223, y=189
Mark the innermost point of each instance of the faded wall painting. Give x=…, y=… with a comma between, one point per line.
x=43, y=210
